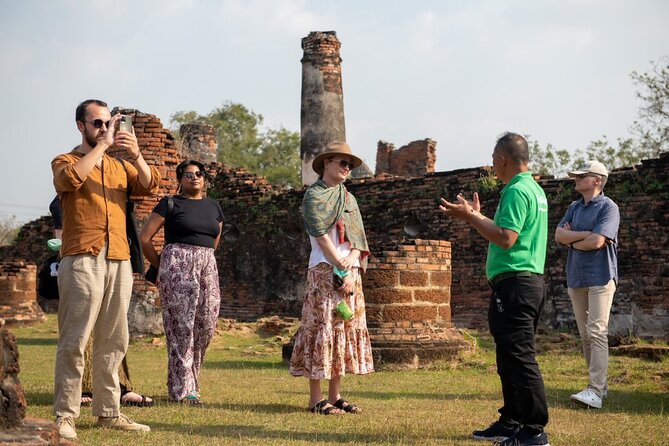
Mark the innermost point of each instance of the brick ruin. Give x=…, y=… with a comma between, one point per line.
x=262, y=258
x=264, y=268
x=412, y=160
x=18, y=293
x=198, y=142
x=407, y=299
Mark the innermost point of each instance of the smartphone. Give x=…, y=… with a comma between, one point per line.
x=126, y=124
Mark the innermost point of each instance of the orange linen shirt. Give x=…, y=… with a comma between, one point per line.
x=93, y=212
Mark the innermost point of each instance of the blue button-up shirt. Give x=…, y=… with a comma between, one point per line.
x=597, y=267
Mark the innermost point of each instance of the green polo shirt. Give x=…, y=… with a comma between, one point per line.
x=522, y=208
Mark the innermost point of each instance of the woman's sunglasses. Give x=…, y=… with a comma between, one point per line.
x=345, y=164
x=193, y=175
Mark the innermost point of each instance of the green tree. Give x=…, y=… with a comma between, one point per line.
x=274, y=154
x=651, y=132
x=9, y=229
x=279, y=158
x=548, y=161
x=652, y=128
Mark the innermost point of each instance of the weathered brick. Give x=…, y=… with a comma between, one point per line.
x=387, y=295
x=413, y=278
x=440, y=278
x=409, y=313
x=436, y=296
x=380, y=278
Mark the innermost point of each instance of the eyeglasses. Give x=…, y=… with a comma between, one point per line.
x=585, y=175
x=193, y=175
x=345, y=164
x=98, y=123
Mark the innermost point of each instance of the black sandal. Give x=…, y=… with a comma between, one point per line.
x=320, y=408
x=344, y=405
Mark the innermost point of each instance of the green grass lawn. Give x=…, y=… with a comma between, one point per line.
x=251, y=399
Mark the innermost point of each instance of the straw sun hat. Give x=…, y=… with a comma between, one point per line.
x=332, y=149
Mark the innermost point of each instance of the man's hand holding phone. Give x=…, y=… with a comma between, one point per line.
x=126, y=139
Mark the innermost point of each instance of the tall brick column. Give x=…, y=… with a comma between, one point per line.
x=198, y=142
x=322, y=112
x=407, y=297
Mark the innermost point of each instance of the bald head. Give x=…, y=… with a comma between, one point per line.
x=514, y=147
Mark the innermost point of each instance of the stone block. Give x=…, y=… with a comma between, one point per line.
x=380, y=278
x=409, y=313
x=387, y=296
x=436, y=296
x=413, y=278
x=440, y=278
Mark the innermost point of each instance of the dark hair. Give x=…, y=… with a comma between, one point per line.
x=515, y=147
x=182, y=167
x=80, y=113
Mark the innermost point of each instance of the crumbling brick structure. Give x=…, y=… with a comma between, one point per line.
x=18, y=294
x=198, y=142
x=407, y=297
x=412, y=160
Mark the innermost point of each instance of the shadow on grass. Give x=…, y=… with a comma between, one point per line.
x=39, y=398
x=243, y=364
x=426, y=396
x=239, y=432
x=37, y=341
x=618, y=401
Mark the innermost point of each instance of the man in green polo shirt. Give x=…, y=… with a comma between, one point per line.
x=516, y=256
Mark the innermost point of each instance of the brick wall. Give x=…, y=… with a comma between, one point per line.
x=264, y=269
x=412, y=160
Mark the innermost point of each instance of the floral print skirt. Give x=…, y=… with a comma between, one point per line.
x=325, y=344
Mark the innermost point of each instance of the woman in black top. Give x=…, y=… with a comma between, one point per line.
x=187, y=277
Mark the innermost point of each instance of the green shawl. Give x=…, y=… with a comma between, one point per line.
x=325, y=207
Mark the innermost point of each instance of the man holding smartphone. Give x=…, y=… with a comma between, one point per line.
x=95, y=276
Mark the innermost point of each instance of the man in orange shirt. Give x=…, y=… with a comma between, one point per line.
x=95, y=276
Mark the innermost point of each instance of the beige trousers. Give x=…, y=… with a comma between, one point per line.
x=592, y=306
x=94, y=298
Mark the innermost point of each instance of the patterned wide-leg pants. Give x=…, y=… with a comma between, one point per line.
x=191, y=299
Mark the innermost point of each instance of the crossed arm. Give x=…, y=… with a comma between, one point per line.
x=581, y=240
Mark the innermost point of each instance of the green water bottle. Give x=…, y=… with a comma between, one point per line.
x=342, y=307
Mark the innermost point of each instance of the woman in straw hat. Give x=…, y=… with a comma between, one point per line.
x=333, y=337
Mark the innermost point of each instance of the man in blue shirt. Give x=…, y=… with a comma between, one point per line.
x=590, y=229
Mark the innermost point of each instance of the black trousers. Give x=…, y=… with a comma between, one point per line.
x=515, y=307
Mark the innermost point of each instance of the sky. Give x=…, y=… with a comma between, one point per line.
x=458, y=72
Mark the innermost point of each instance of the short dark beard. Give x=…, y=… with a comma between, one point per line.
x=90, y=139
